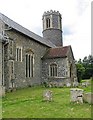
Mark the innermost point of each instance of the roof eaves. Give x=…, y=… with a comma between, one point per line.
x=53, y=57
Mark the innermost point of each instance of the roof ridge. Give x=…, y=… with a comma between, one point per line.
x=25, y=31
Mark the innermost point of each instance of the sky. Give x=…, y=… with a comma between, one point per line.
x=76, y=20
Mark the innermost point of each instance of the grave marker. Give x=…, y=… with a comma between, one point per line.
x=47, y=95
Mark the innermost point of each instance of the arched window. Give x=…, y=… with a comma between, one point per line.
x=29, y=64
x=19, y=53
x=53, y=70
x=48, y=23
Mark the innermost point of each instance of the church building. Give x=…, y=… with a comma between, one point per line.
x=27, y=59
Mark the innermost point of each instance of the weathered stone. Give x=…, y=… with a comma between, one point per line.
x=55, y=84
x=68, y=84
x=76, y=95
x=2, y=91
x=75, y=84
x=47, y=95
x=60, y=84
x=88, y=97
x=85, y=84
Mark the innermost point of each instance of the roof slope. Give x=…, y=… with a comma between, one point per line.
x=25, y=31
x=58, y=52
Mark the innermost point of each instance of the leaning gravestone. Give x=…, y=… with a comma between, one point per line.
x=47, y=95
x=76, y=95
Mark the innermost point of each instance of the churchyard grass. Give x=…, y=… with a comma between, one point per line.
x=27, y=103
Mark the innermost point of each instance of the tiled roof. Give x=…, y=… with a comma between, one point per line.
x=57, y=52
x=25, y=31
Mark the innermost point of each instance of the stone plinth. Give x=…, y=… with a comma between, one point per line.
x=76, y=95
x=88, y=97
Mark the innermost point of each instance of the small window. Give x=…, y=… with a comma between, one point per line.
x=53, y=70
x=48, y=23
x=19, y=54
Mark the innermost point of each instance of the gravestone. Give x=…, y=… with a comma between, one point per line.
x=50, y=84
x=68, y=84
x=2, y=91
x=75, y=84
x=60, y=84
x=47, y=95
x=55, y=84
x=76, y=95
x=83, y=84
x=88, y=97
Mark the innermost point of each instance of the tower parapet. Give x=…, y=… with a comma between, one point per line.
x=53, y=12
x=52, y=27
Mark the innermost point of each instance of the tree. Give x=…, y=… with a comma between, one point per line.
x=85, y=68
x=88, y=64
x=80, y=71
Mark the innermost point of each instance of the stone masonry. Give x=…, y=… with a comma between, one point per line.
x=54, y=32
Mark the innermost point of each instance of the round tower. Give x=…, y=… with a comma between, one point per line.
x=52, y=28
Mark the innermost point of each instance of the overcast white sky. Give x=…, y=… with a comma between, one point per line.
x=76, y=19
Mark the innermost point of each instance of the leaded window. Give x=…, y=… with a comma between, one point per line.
x=19, y=54
x=29, y=61
x=53, y=70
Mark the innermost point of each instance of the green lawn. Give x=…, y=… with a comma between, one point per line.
x=27, y=103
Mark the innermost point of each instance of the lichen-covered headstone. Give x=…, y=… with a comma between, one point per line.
x=76, y=95
x=47, y=95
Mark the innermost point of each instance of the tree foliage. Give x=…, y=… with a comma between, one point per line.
x=85, y=68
